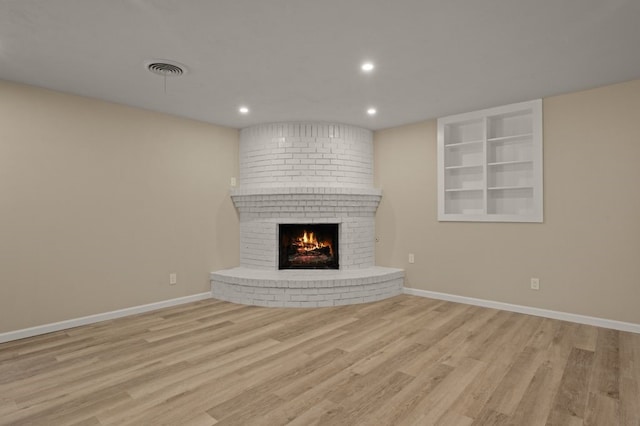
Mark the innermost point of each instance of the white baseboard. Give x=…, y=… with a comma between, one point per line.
x=564, y=316
x=63, y=325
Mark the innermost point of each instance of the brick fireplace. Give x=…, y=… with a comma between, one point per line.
x=296, y=175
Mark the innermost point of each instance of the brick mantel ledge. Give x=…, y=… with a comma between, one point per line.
x=295, y=190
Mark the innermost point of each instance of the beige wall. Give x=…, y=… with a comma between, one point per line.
x=587, y=251
x=100, y=202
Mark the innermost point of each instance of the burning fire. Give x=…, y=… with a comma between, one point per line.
x=308, y=242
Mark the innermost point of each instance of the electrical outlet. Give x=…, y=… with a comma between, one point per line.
x=535, y=284
x=233, y=182
x=412, y=258
x=173, y=279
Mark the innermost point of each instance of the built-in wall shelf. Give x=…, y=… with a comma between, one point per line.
x=490, y=165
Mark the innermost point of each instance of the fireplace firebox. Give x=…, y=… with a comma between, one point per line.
x=308, y=246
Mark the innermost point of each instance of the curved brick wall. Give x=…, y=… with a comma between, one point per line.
x=306, y=154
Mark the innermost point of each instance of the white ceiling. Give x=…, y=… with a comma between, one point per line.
x=300, y=59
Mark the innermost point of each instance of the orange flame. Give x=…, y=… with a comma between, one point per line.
x=308, y=242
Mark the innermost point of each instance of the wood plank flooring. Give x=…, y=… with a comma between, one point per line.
x=403, y=361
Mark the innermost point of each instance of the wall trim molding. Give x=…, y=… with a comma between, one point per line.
x=90, y=319
x=546, y=313
x=539, y=312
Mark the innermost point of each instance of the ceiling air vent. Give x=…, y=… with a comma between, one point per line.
x=166, y=69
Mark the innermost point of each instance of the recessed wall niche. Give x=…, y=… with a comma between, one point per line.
x=490, y=165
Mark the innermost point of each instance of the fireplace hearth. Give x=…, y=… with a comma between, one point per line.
x=306, y=204
x=308, y=246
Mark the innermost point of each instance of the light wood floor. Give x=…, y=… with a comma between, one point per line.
x=403, y=361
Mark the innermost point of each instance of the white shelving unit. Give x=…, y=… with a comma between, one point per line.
x=490, y=165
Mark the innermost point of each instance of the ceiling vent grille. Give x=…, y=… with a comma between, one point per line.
x=166, y=69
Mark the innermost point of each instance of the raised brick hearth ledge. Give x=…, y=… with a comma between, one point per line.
x=306, y=288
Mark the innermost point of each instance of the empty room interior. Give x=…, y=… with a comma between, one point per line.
x=282, y=212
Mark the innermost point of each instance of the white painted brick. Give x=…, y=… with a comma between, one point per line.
x=305, y=173
x=343, y=289
x=339, y=146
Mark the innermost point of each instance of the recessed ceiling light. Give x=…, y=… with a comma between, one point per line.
x=371, y=111
x=367, y=67
x=243, y=110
